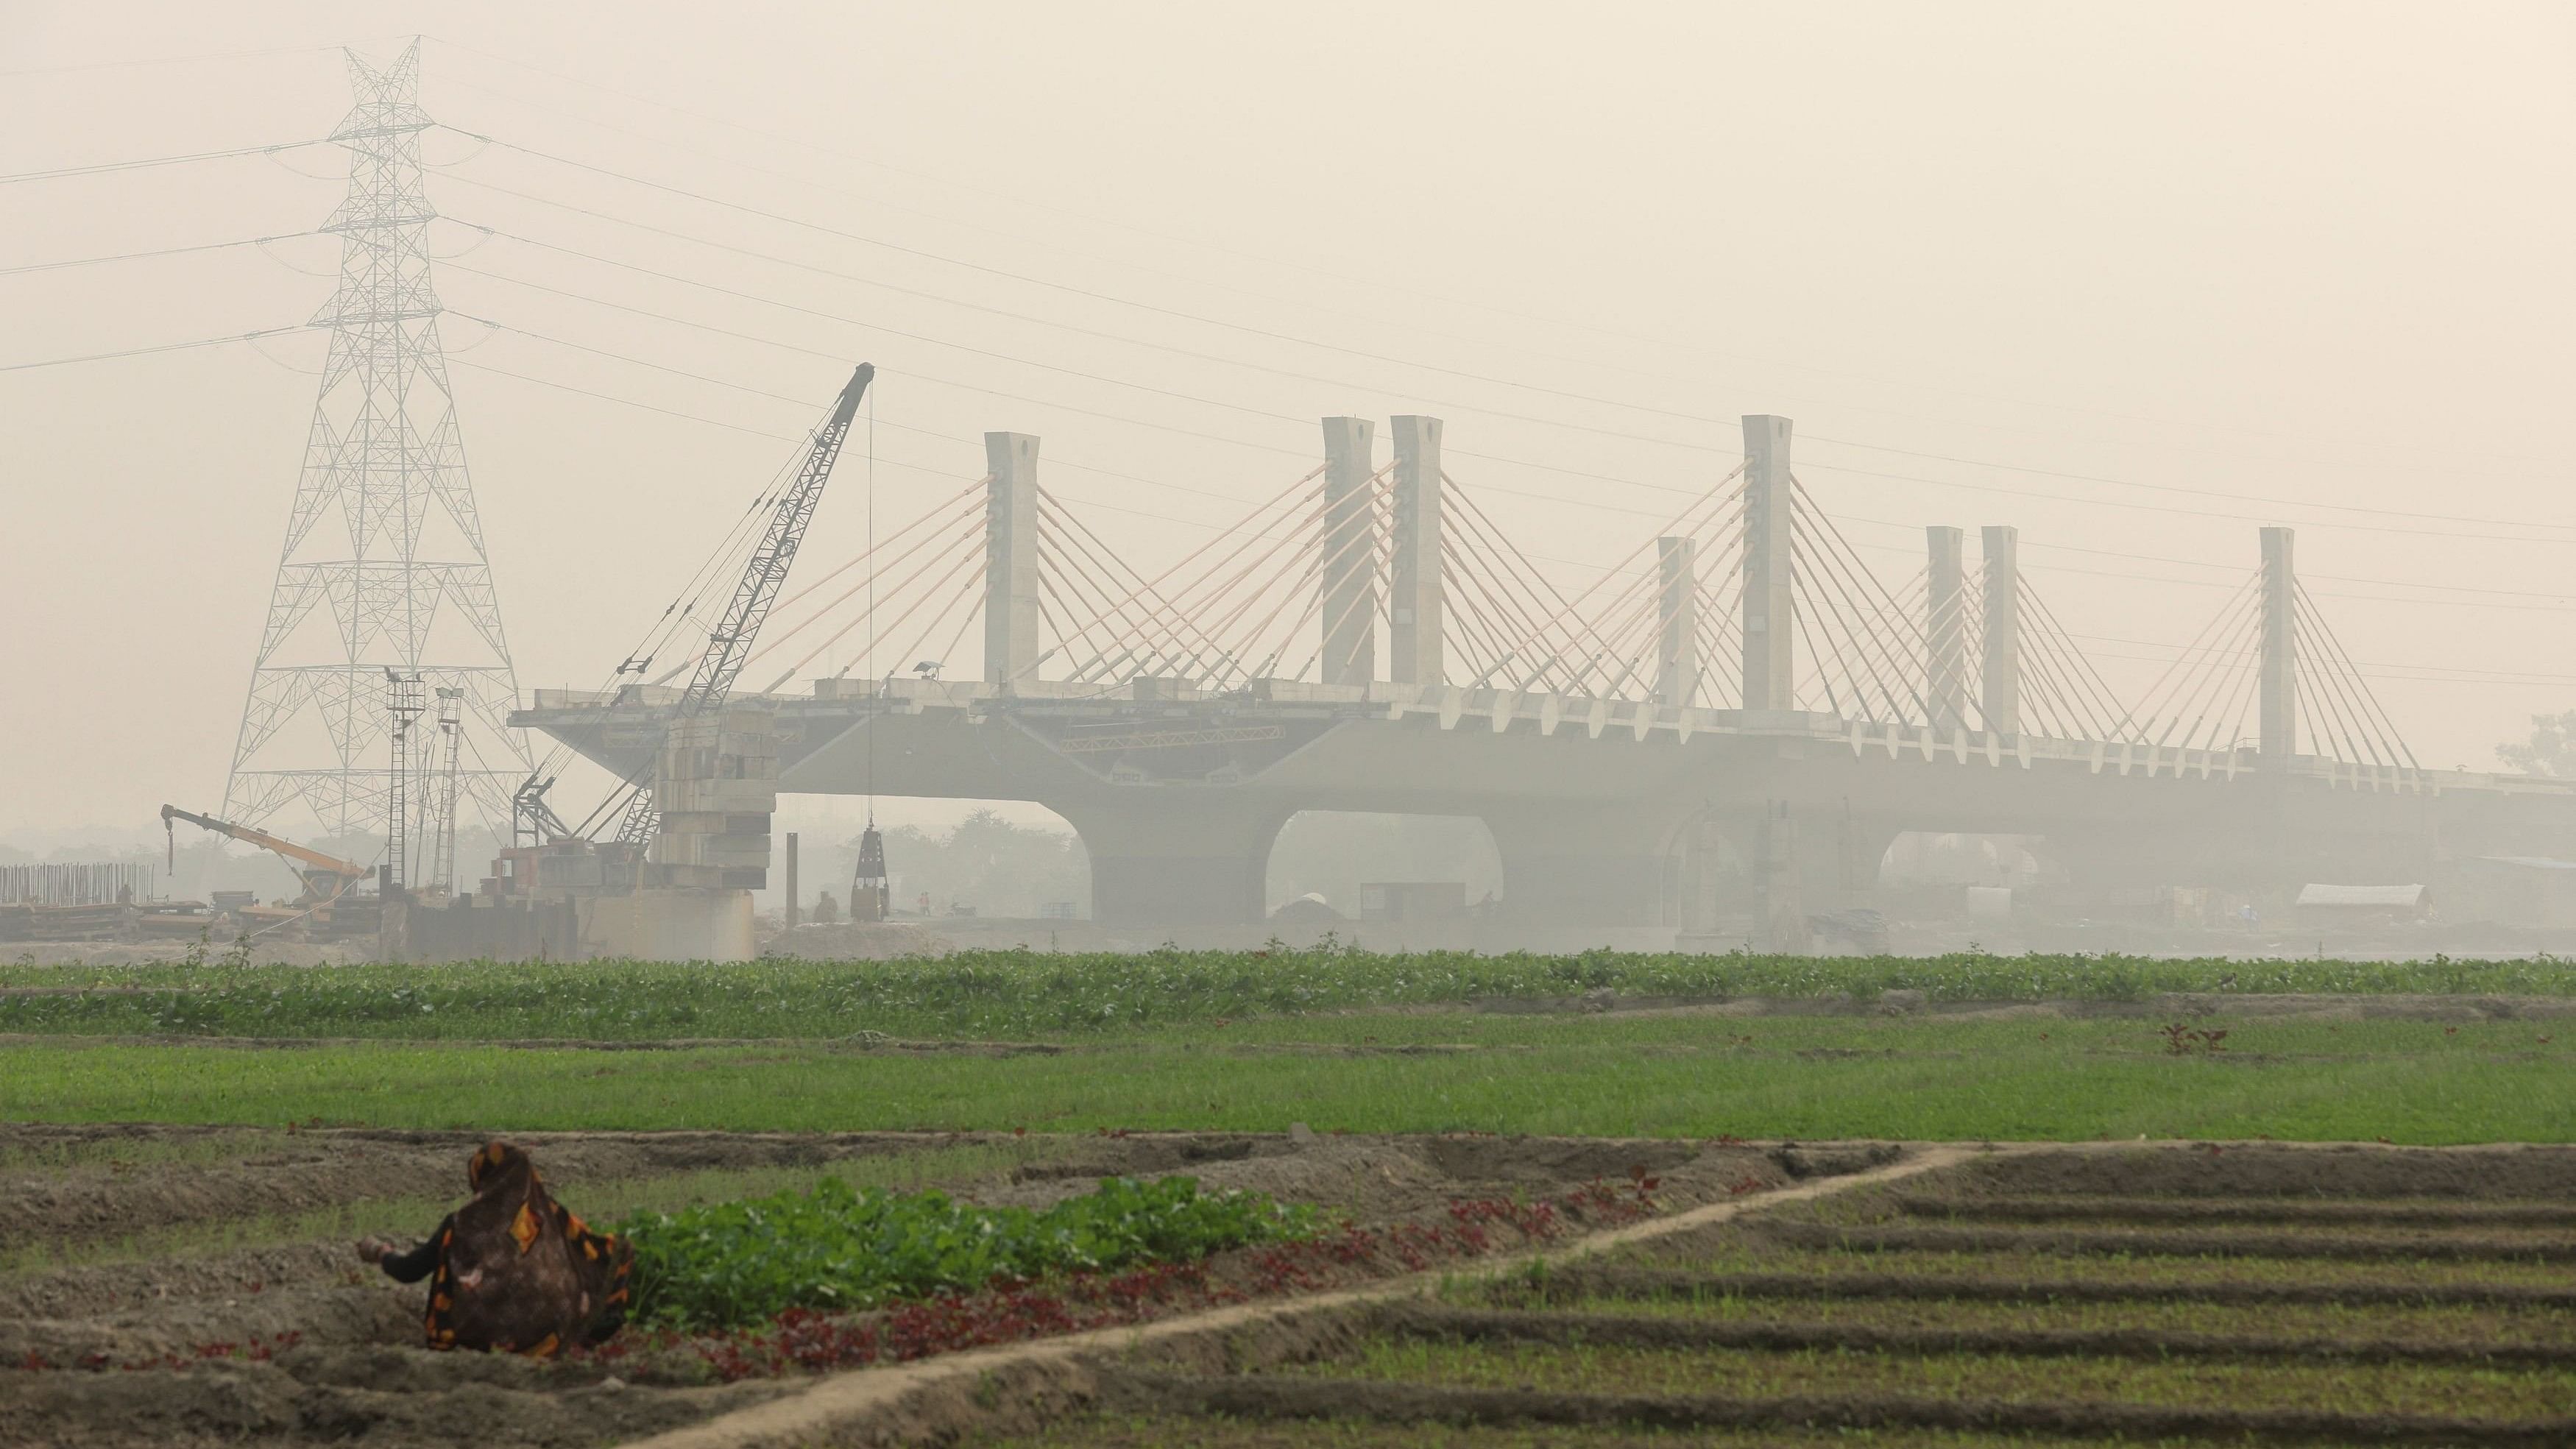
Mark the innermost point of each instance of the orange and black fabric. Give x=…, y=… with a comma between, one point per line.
x=514, y=1271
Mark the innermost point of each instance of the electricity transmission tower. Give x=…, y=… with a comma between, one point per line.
x=384, y=567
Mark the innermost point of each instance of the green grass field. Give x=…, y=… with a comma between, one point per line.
x=1019, y=994
x=1335, y=1038
x=1670, y=1076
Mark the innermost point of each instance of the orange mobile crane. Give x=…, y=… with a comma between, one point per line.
x=326, y=877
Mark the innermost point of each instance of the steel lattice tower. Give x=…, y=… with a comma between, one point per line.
x=384, y=538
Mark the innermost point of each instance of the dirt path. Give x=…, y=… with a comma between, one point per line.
x=1013, y=1388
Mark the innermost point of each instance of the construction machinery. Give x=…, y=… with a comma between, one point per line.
x=327, y=878
x=664, y=867
x=729, y=642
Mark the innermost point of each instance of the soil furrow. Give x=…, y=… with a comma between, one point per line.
x=1578, y=1283
x=2333, y=1246
x=1280, y=1396
x=2214, y=1211
x=2440, y=1176
x=1490, y=1325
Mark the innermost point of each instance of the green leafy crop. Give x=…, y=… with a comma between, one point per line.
x=837, y=1248
x=1033, y=994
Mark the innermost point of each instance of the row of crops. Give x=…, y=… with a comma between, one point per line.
x=839, y=1249
x=1017, y=994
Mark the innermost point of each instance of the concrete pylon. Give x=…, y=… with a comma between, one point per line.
x=1677, y=622
x=1010, y=557
x=1769, y=607
x=2279, y=686
x=1348, y=576
x=2001, y=673
x=1945, y=628
x=1414, y=602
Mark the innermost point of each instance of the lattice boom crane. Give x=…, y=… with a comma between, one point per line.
x=729, y=643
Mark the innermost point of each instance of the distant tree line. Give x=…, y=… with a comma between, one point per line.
x=2551, y=750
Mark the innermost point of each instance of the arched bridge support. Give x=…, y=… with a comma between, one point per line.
x=1175, y=857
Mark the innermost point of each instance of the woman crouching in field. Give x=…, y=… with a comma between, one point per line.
x=513, y=1271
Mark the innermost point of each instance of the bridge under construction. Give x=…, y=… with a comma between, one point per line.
x=1740, y=716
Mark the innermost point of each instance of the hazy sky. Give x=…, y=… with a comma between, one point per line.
x=2109, y=274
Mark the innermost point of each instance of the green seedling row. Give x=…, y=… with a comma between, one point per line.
x=2146, y=1271
x=1179, y=1431
x=2319, y=1321
x=1911, y=1079
x=838, y=1248
x=1021, y=993
x=2354, y=1389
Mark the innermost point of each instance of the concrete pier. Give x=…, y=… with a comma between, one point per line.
x=1165, y=857
x=1608, y=864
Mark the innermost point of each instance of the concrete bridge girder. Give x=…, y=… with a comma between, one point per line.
x=1588, y=827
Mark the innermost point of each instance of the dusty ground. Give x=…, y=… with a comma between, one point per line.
x=167, y=1286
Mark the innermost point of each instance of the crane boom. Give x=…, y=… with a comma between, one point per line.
x=729, y=643
x=326, y=877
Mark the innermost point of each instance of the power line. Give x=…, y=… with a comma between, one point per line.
x=807, y=402
x=164, y=60
x=626, y=401
x=923, y=377
x=2422, y=673
x=2178, y=488
x=1114, y=381
x=767, y=341
x=807, y=143
x=2190, y=512
x=1276, y=336
x=161, y=347
x=159, y=252
x=277, y=331
x=1075, y=328
x=1581, y=473
x=2238, y=569
x=904, y=427
x=1169, y=392
x=103, y=167
x=1093, y=294
x=994, y=392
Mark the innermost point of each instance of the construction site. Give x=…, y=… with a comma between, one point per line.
x=1255, y=727
x=1739, y=737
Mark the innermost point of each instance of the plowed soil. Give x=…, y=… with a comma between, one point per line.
x=2229, y=1293
x=156, y=1290
x=164, y=1286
